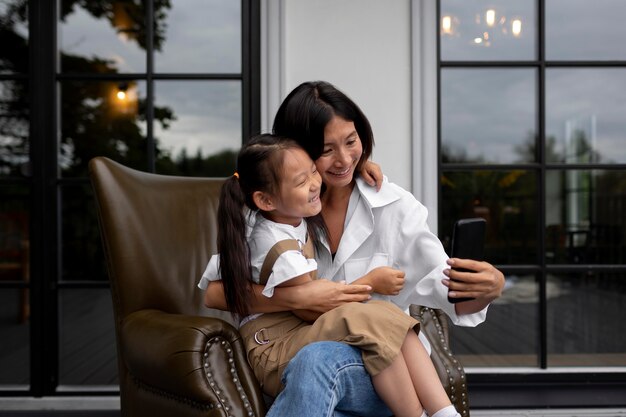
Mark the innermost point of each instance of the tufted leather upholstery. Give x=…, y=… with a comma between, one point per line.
x=158, y=233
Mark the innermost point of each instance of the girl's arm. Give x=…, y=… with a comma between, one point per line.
x=383, y=280
x=320, y=295
x=372, y=174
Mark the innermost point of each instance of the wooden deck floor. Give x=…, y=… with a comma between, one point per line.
x=586, y=327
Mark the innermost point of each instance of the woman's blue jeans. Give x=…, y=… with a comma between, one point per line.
x=327, y=379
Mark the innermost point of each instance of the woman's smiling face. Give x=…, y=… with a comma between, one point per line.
x=341, y=154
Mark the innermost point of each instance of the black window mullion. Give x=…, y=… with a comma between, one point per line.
x=543, y=279
x=43, y=149
x=251, y=69
x=150, y=142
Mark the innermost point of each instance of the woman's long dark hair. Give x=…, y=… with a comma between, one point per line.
x=259, y=167
x=306, y=111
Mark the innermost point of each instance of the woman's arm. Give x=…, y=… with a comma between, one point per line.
x=319, y=295
x=484, y=285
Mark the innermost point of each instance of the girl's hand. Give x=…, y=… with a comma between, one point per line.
x=372, y=174
x=484, y=284
x=386, y=280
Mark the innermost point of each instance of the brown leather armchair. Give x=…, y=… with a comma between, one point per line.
x=158, y=233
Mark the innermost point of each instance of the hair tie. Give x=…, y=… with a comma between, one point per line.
x=236, y=175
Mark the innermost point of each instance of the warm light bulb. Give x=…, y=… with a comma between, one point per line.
x=446, y=24
x=516, y=27
x=121, y=95
x=478, y=41
x=490, y=17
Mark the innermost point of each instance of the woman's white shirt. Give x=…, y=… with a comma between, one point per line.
x=388, y=228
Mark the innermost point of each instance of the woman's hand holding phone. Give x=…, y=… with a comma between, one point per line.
x=468, y=240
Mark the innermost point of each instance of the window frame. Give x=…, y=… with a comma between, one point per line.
x=519, y=387
x=46, y=183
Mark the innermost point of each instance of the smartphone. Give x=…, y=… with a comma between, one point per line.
x=468, y=242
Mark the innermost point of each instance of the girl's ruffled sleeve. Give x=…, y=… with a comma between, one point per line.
x=289, y=265
x=211, y=273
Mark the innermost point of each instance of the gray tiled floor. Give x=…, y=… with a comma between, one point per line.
x=109, y=407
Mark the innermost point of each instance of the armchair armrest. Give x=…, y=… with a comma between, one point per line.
x=199, y=359
x=434, y=324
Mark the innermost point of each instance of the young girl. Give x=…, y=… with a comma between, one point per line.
x=278, y=182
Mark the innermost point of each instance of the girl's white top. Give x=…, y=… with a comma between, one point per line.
x=263, y=235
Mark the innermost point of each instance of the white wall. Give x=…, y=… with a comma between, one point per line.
x=372, y=50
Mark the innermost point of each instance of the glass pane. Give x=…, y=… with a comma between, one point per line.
x=585, y=30
x=585, y=115
x=488, y=115
x=584, y=319
x=585, y=216
x=204, y=134
x=508, y=200
x=105, y=118
x=14, y=333
x=14, y=36
x=15, y=240
x=200, y=36
x=510, y=335
x=81, y=247
x=476, y=30
x=14, y=129
x=87, y=353
x=104, y=36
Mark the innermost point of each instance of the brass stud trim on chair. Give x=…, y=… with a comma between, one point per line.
x=226, y=348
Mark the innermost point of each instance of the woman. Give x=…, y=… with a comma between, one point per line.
x=366, y=229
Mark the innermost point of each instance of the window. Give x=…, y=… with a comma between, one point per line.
x=165, y=87
x=531, y=137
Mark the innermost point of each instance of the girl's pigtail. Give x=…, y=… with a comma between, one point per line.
x=232, y=245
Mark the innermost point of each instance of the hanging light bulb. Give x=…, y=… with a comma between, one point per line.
x=446, y=24
x=490, y=17
x=516, y=27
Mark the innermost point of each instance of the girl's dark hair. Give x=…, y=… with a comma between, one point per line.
x=259, y=167
x=306, y=111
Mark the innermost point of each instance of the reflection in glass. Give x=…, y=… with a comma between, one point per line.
x=488, y=115
x=476, y=30
x=205, y=135
x=81, y=247
x=585, y=30
x=585, y=325
x=14, y=129
x=111, y=32
x=585, y=115
x=15, y=346
x=202, y=37
x=585, y=216
x=510, y=335
x=87, y=353
x=96, y=120
x=506, y=199
x=15, y=238
x=14, y=36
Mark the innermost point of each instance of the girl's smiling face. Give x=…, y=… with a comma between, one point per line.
x=299, y=190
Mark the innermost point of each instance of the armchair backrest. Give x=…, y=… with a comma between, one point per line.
x=178, y=212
